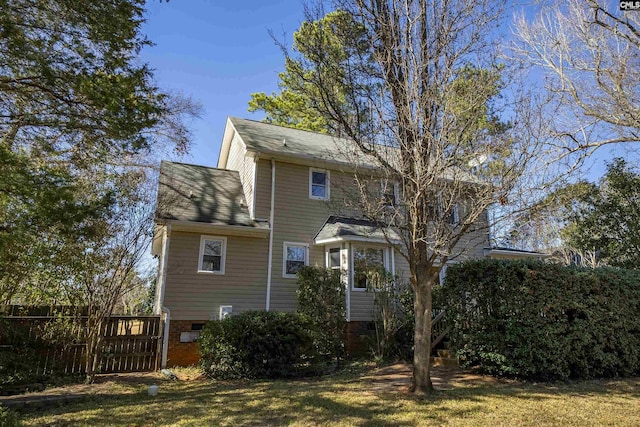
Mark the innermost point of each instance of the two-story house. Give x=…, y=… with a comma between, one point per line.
x=231, y=238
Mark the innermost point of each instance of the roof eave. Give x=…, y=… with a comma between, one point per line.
x=489, y=252
x=224, y=229
x=340, y=239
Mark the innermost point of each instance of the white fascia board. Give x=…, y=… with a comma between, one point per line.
x=489, y=252
x=156, y=242
x=355, y=239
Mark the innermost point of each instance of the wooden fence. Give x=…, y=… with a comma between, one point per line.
x=130, y=343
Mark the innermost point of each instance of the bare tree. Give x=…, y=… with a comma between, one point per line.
x=589, y=52
x=417, y=97
x=101, y=271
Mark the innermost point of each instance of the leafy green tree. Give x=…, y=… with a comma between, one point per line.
x=587, y=223
x=77, y=109
x=297, y=104
x=81, y=120
x=606, y=219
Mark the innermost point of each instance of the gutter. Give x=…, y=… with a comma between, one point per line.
x=159, y=307
x=271, y=216
x=231, y=230
x=162, y=271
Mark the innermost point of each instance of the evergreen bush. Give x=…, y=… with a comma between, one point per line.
x=544, y=321
x=321, y=299
x=258, y=344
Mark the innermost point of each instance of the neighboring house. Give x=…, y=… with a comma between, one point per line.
x=231, y=238
x=501, y=252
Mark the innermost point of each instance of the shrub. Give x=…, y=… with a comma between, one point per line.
x=321, y=299
x=392, y=316
x=258, y=344
x=9, y=418
x=545, y=321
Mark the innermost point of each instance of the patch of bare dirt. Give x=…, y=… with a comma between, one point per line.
x=397, y=378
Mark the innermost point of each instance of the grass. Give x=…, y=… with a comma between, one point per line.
x=350, y=400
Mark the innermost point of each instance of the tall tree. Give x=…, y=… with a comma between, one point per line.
x=588, y=223
x=589, y=52
x=80, y=123
x=606, y=220
x=298, y=103
x=419, y=99
x=77, y=108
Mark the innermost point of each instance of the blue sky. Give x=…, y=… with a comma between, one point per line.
x=218, y=52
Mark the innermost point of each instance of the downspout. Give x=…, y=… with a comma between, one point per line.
x=393, y=262
x=349, y=280
x=160, y=298
x=271, y=215
x=165, y=336
x=162, y=270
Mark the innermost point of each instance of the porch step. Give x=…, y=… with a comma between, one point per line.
x=446, y=362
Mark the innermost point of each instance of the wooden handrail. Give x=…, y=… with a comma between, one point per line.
x=439, y=328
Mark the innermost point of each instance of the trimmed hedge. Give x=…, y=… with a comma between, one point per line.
x=544, y=321
x=258, y=344
x=321, y=299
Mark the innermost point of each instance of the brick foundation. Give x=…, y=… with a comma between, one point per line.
x=358, y=335
x=185, y=354
x=182, y=353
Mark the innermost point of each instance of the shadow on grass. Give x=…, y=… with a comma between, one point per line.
x=317, y=402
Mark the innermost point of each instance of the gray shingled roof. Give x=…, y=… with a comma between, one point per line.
x=283, y=141
x=201, y=194
x=341, y=228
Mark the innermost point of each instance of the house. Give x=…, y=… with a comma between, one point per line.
x=503, y=252
x=231, y=238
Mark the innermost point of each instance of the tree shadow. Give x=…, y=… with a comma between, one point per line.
x=317, y=402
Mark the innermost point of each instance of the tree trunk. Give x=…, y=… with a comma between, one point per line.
x=94, y=340
x=421, y=383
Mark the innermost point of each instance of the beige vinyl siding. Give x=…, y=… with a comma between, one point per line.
x=402, y=268
x=192, y=295
x=263, y=189
x=472, y=244
x=297, y=219
x=239, y=161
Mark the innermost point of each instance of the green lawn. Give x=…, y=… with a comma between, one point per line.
x=348, y=400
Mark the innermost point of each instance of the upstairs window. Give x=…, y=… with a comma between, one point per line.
x=296, y=256
x=389, y=193
x=318, y=184
x=454, y=216
x=212, y=254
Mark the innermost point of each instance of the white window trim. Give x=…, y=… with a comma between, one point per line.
x=456, y=214
x=223, y=257
x=327, y=255
x=442, y=274
x=385, y=262
x=284, y=257
x=396, y=190
x=328, y=184
x=223, y=309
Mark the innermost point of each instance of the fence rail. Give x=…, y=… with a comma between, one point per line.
x=129, y=343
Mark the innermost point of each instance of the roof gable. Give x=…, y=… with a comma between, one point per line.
x=269, y=139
